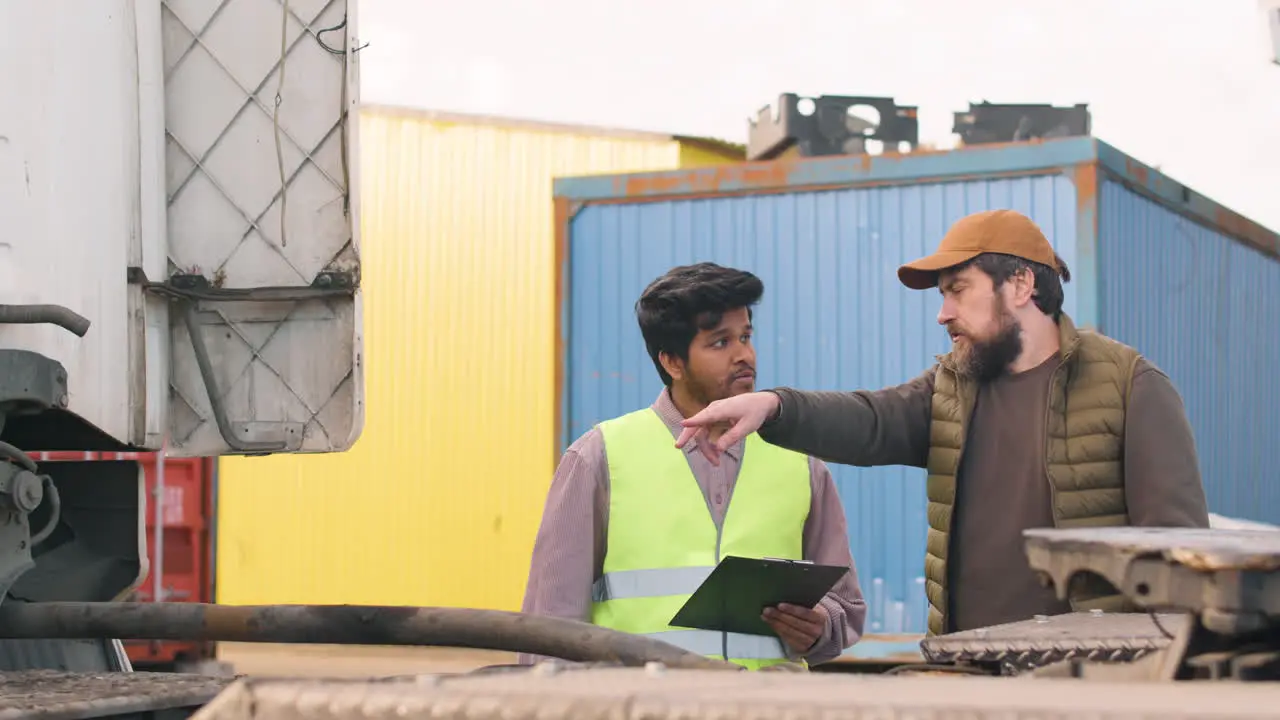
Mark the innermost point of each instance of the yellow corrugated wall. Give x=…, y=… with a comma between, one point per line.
x=439, y=501
x=692, y=155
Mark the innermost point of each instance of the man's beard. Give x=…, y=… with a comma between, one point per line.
x=709, y=391
x=706, y=392
x=985, y=360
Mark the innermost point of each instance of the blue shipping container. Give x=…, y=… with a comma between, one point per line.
x=1189, y=283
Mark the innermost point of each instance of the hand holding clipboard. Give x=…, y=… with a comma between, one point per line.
x=736, y=593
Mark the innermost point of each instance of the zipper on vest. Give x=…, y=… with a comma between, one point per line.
x=966, y=419
x=1048, y=415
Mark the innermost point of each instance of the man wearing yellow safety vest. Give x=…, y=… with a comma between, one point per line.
x=632, y=525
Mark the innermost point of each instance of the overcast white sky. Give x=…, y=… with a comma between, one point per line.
x=1183, y=84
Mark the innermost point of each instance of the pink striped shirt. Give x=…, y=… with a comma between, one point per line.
x=568, y=554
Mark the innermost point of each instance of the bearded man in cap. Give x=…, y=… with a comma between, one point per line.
x=1028, y=422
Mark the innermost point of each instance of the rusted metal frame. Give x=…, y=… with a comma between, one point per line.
x=1086, y=268
x=565, y=209
x=1176, y=197
x=796, y=173
x=819, y=187
x=1225, y=582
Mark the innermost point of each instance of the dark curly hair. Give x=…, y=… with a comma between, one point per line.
x=1048, y=282
x=687, y=299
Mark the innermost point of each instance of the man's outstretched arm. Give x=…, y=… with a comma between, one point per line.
x=864, y=428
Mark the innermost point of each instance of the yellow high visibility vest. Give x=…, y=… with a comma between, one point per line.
x=663, y=542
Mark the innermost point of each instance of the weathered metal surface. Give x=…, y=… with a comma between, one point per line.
x=790, y=175
x=831, y=127
x=984, y=123
x=1020, y=646
x=1183, y=199
x=345, y=625
x=654, y=694
x=985, y=161
x=1225, y=582
x=52, y=695
x=1199, y=549
x=1229, y=578
x=1170, y=283
x=260, y=189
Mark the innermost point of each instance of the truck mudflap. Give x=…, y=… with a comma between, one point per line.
x=55, y=695
x=551, y=692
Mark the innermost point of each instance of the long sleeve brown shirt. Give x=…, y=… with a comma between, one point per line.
x=1001, y=486
x=568, y=553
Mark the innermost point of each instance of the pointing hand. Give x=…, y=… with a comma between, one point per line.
x=741, y=415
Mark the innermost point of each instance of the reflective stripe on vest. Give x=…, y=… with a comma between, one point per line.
x=713, y=644
x=625, y=584
x=662, y=542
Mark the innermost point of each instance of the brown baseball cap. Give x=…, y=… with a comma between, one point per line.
x=993, y=231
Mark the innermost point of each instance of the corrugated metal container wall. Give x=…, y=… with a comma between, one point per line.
x=439, y=501
x=826, y=236
x=1205, y=307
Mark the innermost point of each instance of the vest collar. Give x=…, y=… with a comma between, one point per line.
x=1068, y=337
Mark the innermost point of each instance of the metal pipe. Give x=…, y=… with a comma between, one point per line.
x=345, y=625
x=63, y=317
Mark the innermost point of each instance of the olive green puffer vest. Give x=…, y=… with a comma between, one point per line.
x=1084, y=451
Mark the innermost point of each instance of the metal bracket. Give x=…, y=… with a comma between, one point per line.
x=225, y=428
x=329, y=283
x=1227, y=583
x=21, y=492
x=829, y=129
x=989, y=123
x=187, y=290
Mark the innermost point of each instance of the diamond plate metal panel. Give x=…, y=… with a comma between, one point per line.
x=1020, y=646
x=260, y=194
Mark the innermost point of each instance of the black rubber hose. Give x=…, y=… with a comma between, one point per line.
x=344, y=625
x=63, y=317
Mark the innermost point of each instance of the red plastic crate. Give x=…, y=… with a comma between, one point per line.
x=186, y=572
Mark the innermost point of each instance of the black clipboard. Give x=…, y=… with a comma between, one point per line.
x=738, y=590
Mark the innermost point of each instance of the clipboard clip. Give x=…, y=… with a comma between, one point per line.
x=786, y=560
